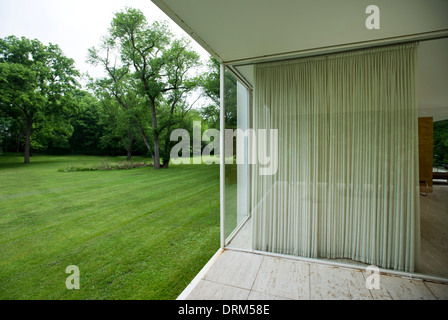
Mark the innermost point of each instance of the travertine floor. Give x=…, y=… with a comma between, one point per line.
x=238, y=275
x=433, y=230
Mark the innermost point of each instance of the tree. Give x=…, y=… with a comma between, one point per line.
x=86, y=123
x=119, y=89
x=123, y=130
x=36, y=83
x=211, y=88
x=161, y=67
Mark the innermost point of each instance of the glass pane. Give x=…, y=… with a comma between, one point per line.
x=237, y=172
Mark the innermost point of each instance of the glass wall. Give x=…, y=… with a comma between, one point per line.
x=237, y=171
x=345, y=163
x=347, y=180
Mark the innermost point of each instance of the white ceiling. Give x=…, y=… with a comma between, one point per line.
x=236, y=31
x=233, y=30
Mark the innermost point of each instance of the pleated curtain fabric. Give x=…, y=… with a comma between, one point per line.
x=347, y=179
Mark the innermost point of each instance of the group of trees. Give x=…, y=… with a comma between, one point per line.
x=148, y=91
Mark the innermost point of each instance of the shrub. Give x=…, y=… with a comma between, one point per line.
x=77, y=168
x=107, y=165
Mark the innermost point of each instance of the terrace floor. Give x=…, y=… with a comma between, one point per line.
x=236, y=275
x=243, y=274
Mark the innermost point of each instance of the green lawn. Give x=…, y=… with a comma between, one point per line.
x=134, y=234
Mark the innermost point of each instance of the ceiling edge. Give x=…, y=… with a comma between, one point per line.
x=181, y=23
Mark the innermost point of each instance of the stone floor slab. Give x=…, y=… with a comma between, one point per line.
x=284, y=278
x=237, y=269
x=331, y=283
x=207, y=290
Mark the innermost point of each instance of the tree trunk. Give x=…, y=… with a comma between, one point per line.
x=156, y=152
x=145, y=138
x=167, y=153
x=29, y=125
x=167, y=150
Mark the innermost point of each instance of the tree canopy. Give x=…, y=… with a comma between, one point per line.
x=147, y=68
x=36, y=85
x=211, y=88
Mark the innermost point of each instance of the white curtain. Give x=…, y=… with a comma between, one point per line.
x=347, y=179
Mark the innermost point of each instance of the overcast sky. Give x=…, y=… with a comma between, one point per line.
x=74, y=25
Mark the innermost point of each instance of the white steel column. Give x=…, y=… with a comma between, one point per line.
x=222, y=157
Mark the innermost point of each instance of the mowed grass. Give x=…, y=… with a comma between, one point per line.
x=134, y=234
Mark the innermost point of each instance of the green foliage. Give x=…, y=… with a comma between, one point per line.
x=441, y=143
x=145, y=95
x=77, y=168
x=149, y=75
x=87, y=127
x=211, y=88
x=5, y=125
x=36, y=84
x=105, y=165
x=123, y=111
